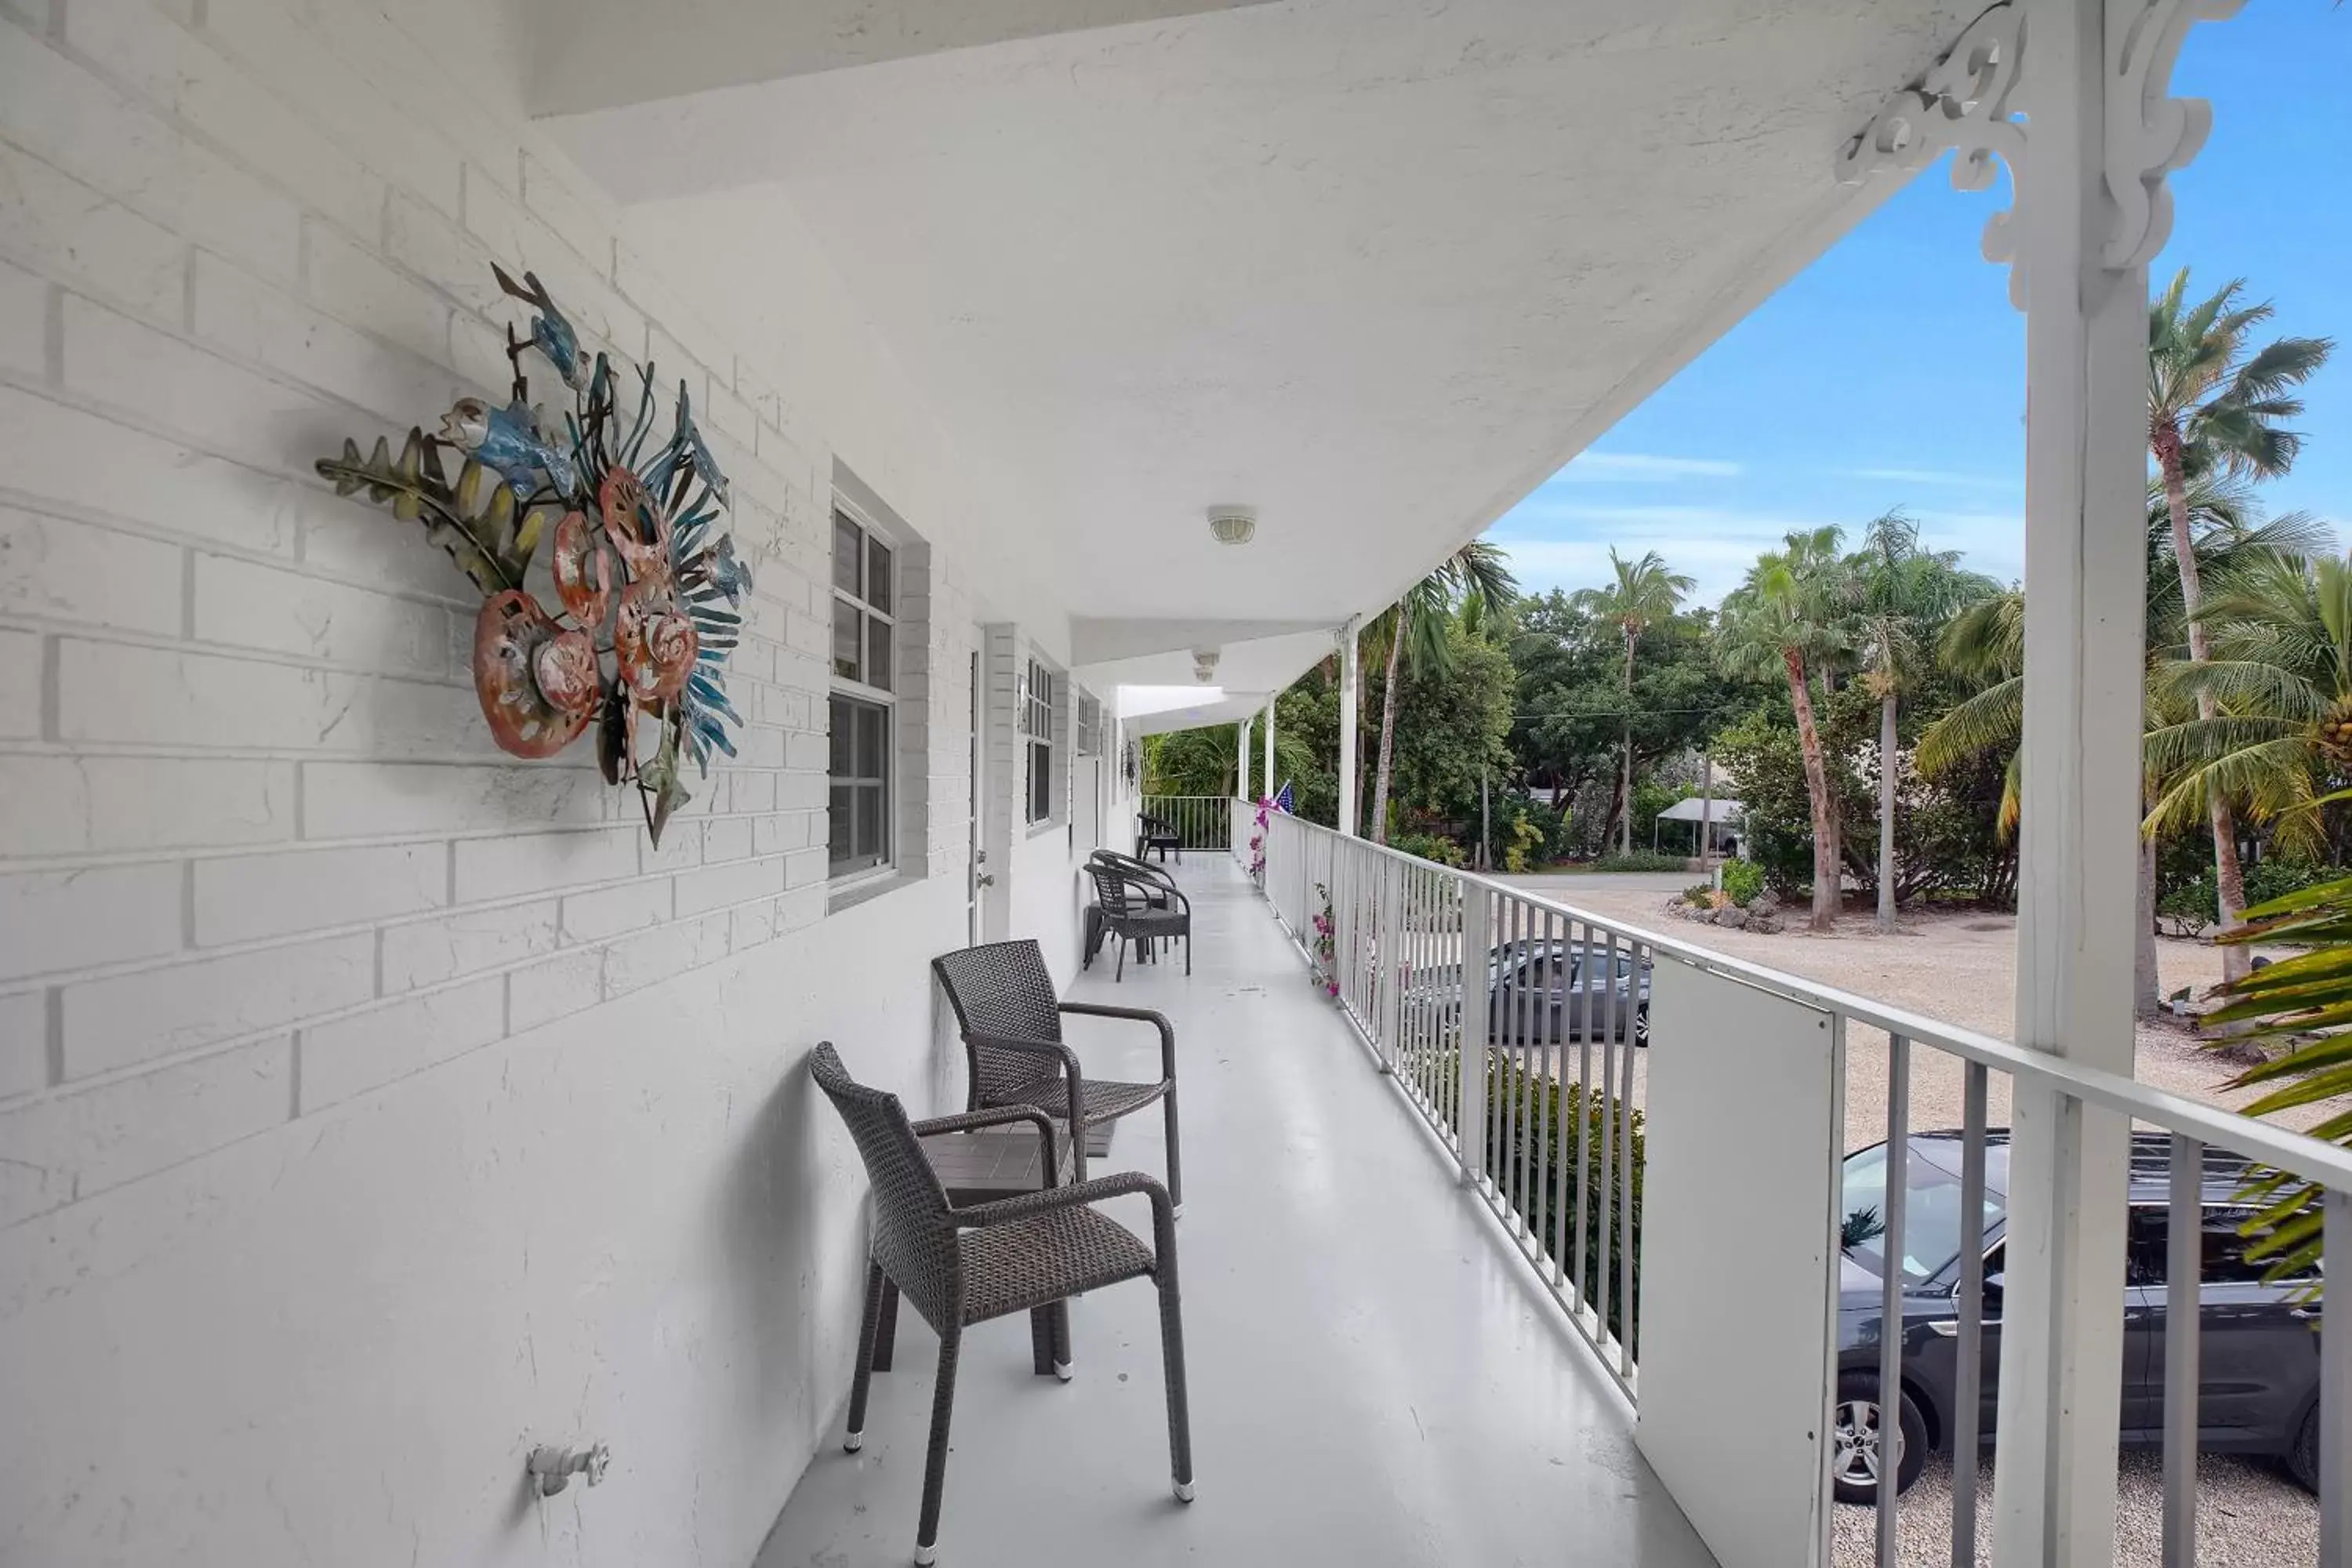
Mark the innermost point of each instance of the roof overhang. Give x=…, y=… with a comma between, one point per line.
x=1376, y=267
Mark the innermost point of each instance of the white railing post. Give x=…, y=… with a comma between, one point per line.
x=1388, y=954
x=1470, y=1051
x=1351, y=682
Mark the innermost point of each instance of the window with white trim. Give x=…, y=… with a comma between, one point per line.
x=862, y=714
x=1086, y=725
x=1037, y=739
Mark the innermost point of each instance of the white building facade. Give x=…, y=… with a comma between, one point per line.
x=374, y=1105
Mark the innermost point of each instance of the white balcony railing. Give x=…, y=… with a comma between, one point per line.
x=1628, y=1177
x=1200, y=821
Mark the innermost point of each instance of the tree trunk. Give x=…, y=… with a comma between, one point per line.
x=1388, y=726
x=1625, y=842
x=1886, y=811
x=2229, y=878
x=1817, y=785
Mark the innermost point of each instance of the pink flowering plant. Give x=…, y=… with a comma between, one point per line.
x=1326, y=966
x=1257, y=842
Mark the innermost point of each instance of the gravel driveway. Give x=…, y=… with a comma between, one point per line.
x=1962, y=968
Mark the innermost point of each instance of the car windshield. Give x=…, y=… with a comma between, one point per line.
x=1931, y=1213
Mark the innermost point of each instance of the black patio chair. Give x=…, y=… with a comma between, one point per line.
x=1140, y=910
x=1158, y=833
x=1010, y=1021
x=965, y=1266
x=1160, y=889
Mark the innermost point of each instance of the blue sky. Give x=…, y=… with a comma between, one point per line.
x=1892, y=372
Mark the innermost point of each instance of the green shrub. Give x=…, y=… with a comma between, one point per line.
x=1698, y=895
x=1526, y=1147
x=1742, y=880
x=1432, y=846
x=1641, y=860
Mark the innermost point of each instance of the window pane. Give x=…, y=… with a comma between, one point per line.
x=848, y=544
x=872, y=740
x=1041, y=782
x=837, y=836
x=877, y=653
x=847, y=640
x=877, y=575
x=869, y=822
x=839, y=719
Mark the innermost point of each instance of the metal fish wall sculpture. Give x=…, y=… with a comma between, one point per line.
x=648, y=584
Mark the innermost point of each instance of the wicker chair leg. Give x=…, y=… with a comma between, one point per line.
x=935, y=1464
x=1119, y=976
x=854, y=1438
x=886, y=1338
x=1188, y=948
x=1175, y=1161
x=1171, y=1353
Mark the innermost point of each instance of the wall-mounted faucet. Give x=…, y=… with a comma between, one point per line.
x=552, y=1469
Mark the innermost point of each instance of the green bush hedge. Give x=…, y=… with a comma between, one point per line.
x=1641, y=860
x=1527, y=1144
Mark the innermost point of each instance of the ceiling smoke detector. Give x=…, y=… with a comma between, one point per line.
x=1205, y=665
x=1232, y=524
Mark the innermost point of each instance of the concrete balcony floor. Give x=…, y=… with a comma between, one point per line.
x=1374, y=1378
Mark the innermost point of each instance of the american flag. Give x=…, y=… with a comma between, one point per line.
x=1285, y=801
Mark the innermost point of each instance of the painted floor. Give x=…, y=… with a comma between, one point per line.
x=1374, y=1379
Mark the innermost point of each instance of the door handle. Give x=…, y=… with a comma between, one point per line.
x=985, y=879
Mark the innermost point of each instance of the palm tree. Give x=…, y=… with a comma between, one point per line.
x=2281, y=675
x=1791, y=615
x=1984, y=645
x=1907, y=595
x=1644, y=594
x=1477, y=573
x=2213, y=401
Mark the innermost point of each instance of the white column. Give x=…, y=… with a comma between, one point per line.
x=1269, y=748
x=1242, y=759
x=1350, y=684
x=2085, y=640
x=2088, y=167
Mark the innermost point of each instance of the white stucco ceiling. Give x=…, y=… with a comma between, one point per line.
x=1374, y=267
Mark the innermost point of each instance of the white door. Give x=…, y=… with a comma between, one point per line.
x=976, y=876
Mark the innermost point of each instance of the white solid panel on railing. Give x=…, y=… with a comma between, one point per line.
x=1738, y=1289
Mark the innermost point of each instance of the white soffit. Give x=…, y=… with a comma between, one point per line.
x=1373, y=266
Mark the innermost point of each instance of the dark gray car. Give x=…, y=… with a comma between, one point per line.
x=1543, y=993
x=1553, y=992
x=2259, y=1355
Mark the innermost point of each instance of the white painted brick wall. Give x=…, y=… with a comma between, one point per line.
x=267, y=890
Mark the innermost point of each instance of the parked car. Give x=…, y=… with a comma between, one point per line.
x=2259, y=1355
x=1545, y=993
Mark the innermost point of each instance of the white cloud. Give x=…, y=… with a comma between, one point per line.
x=1938, y=476
x=1642, y=468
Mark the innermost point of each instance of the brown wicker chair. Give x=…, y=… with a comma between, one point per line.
x=965, y=1265
x=1010, y=1021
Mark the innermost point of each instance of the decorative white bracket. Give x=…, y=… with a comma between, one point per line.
x=1968, y=104
x=1962, y=104
x=2149, y=133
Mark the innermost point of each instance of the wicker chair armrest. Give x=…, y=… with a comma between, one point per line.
x=1134, y=1015
x=1118, y=1184
x=998, y=1116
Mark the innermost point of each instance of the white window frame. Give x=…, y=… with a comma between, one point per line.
x=1041, y=687
x=855, y=869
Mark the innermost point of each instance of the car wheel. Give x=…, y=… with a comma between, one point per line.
x=1855, y=1443
x=1640, y=1026
x=2302, y=1459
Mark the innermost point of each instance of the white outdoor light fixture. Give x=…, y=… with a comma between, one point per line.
x=1232, y=524
x=1205, y=665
